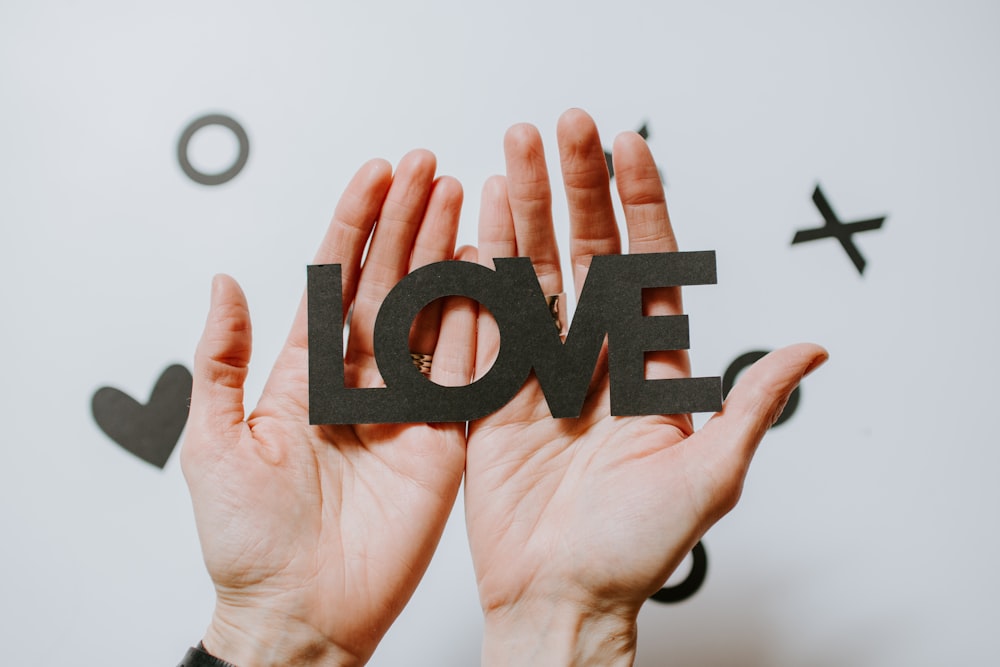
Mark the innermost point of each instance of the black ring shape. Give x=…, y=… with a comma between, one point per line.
x=690, y=586
x=748, y=359
x=222, y=176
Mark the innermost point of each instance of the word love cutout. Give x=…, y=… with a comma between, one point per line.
x=610, y=304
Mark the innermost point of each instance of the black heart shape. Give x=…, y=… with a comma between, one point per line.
x=149, y=431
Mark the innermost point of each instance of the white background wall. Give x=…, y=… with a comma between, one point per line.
x=867, y=532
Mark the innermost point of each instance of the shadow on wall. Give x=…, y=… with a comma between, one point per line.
x=746, y=626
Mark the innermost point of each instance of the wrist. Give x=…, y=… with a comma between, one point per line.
x=259, y=638
x=558, y=632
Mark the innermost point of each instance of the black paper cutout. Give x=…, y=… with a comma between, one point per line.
x=610, y=304
x=745, y=361
x=149, y=431
x=691, y=584
x=841, y=231
x=225, y=175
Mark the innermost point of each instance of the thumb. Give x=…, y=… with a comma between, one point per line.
x=730, y=438
x=221, y=361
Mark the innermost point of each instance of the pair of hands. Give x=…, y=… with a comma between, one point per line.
x=316, y=536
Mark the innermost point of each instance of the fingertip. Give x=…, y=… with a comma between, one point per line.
x=521, y=136
x=225, y=287
x=444, y=210
x=418, y=159
x=765, y=387
x=374, y=173
x=361, y=197
x=495, y=188
x=376, y=165
x=576, y=125
x=797, y=360
x=222, y=358
x=820, y=355
x=218, y=288
x=629, y=143
x=226, y=338
x=449, y=186
x=467, y=253
x=227, y=305
x=574, y=115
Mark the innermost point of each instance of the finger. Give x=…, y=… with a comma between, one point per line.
x=496, y=223
x=455, y=354
x=593, y=230
x=496, y=239
x=649, y=230
x=642, y=197
x=388, y=259
x=645, y=208
x=727, y=443
x=221, y=362
x=530, y=198
x=435, y=242
x=347, y=236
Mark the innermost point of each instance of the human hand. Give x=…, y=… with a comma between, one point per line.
x=574, y=523
x=316, y=536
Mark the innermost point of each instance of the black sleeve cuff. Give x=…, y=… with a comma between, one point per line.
x=197, y=656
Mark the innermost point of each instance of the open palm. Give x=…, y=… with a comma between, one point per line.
x=316, y=536
x=594, y=513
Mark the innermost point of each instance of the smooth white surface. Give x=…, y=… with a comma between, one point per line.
x=866, y=535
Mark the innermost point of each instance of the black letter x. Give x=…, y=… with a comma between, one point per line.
x=839, y=230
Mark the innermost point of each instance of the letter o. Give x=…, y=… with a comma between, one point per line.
x=453, y=278
x=222, y=176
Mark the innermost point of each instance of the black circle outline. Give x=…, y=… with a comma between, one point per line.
x=693, y=582
x=743, y=361
x=222, y=176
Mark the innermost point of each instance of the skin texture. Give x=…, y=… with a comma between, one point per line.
x=573, y=523
x=315, y=537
